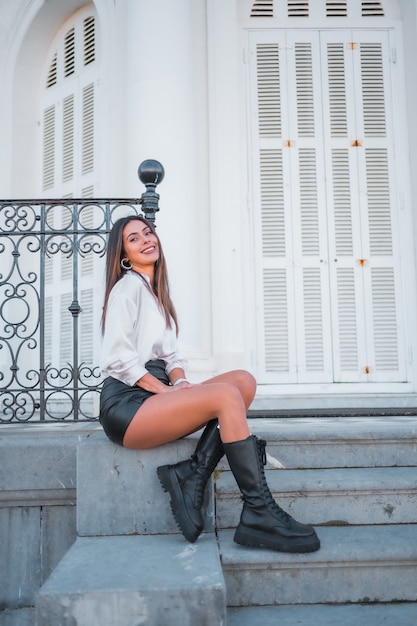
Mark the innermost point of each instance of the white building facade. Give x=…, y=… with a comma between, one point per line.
x=289, y=206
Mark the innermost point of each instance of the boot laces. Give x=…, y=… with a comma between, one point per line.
x=269, y=500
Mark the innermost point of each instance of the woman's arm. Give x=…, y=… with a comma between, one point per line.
x=151, y=383
x=178, y=379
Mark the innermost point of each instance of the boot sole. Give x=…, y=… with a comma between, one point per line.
x=169, y=482
x=258, y=539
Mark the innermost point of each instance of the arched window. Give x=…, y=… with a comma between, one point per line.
x=69, y=109
x=69, y=170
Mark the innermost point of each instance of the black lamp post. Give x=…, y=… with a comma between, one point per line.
x=150, y=173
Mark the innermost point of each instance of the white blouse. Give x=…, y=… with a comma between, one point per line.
x=135, y=332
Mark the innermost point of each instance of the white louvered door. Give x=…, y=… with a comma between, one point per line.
x=328, y=282
x=69, y=111
x=364, y=250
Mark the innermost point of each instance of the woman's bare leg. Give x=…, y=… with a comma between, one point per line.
x=241, y=379
x=168, y=416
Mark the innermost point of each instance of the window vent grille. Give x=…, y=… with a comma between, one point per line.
x=297, y=8
x=372, y=9
x=89, y=40
x=336, y=9
x=49, y=147
x=88, y=192
x=68, y=139
x=301, y=8
x=87, y=326
x=69, y=53
x=262, y=8
x=52, y=74
x=269, y=98
x=88, y=130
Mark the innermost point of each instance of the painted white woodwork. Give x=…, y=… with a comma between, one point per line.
x=69, y=154
x=328, y=247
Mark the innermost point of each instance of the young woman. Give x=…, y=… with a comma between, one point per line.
x=147, y=400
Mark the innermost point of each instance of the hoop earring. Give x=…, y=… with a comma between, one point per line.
x=125, y=265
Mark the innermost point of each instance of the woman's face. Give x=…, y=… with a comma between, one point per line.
x=141, y=247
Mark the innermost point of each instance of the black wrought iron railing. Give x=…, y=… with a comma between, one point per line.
x=51, y=288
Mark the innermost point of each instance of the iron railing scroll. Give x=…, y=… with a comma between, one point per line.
x=51, y=287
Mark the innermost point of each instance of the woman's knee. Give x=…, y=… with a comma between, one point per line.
x=229, y=394
x=248, y=379
x=246, y=382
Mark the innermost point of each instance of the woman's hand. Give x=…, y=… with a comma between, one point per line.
x=183, y=384
x=149, y=382
x=153, y=384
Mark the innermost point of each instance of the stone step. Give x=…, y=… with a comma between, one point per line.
x=355, y=564
x=323, y=442
x=385, y=495
x=135, y=580
x=398, y=614
x=18, y=617
x=118, y=491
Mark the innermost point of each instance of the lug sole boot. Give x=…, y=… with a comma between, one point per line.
x=186, y=481
x=262, y=522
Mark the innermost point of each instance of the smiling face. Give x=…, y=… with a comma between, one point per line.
x=141, y=247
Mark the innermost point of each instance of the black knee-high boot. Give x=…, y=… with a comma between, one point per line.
x=263, y=523
x=186, y=481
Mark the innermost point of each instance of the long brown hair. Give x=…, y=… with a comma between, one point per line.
x=114, y=270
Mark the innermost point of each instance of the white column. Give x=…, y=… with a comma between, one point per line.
x=166, y=119
x=231, y=254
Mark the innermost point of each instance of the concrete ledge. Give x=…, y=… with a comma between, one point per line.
x=37, y=505
x=327, y=442
x=18, y=617
x=127, y=581
x=39, y=457
x=382, y=495
x=361, y=564
x=118, y=491
x=400, y=614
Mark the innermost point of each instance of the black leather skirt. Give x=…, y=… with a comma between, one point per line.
x=119, y=402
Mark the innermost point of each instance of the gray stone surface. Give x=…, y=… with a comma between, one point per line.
x=118, y=491
x=340, y=442
x=32, y=541
x=127, y=581
x=325, y=615
x=58, y=533
x=37, y=504
x=38, y=495
x=18, y=617
x=39, y=460
x=354, y=564
x=351, y=496
x=20, y=556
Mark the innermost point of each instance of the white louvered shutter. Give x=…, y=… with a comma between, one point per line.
x=293, y=288
x=69, y=112
x=328, y=288
x=364, y=252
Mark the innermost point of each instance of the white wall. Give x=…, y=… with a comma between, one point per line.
x=172, y=88
x=230, y=246
x=152, y=103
